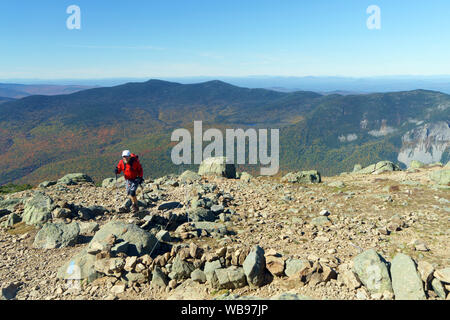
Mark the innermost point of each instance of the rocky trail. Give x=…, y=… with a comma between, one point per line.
x=375, y=233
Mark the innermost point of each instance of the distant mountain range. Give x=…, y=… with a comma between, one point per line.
x=43, y=137
x=323, y=84
x=11, y=90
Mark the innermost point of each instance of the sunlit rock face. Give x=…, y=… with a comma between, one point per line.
x=426, y=143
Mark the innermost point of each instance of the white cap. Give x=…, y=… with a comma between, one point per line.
x=126, y=153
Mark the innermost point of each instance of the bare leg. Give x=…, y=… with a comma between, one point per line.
x=134, y=201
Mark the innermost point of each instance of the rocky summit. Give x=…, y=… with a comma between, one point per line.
x=377, y=233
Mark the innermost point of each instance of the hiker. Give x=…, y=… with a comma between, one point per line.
x=133, y=173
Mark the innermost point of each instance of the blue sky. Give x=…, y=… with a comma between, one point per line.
x=180, y=38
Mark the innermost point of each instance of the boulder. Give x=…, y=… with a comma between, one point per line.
x=38, y=209
x=246, y=177
x=438, y=288
x=164, y=236
x=230, y=278
x=415, y=164
x=255, y=266
x=441, y=177
x=311, y=176
x=159, y=279
x=443, y=275
x=13, y=218
x=79, y=267
x=189, y=176
x=181, y=269
x=57, y=235
x=198, y=276
x=88, y=228
x=9, y=204
x=406, y=281
x=134, y=277
x=140, y=242
x=74, y=178
x=372, y=271
x=209, y=227
x=111, y=183
x=379, y=167
x=321, y=221
x=209, y=270
x=201, y=214
x=217, y=166
x=294, y=266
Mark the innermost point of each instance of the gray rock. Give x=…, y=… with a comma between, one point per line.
x=406, y=281
x=246, y=177
x=438, y=288
x=9, y=204
x=38, y=209
x=372, y=271
x=294, y=265
x=210, y=227
x=209, y=270
x=140, y=242
x=379, y=167
x=320, y=221
x=134, y=277
x=357, y=167
x=13, y=218
x=441, y=177
x=198, y=276
x=159, y=279
x=443, y=275
x=181, y=269
x=311, y=176
x=255, y=266
x=79, y=267
x=74, y=178
x=111, y=183
x=216, y=209
x=201, y=214
x=88, y=228
x=230, y=278
x=57, y=235
x=164, y=236
x=217, y=166
x=189, y=176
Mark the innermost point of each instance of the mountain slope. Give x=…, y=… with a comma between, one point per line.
x=44, y=136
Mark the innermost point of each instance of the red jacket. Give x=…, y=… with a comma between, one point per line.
x=133, y=171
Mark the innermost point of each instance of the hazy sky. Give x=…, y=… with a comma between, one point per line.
x=177, y=38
